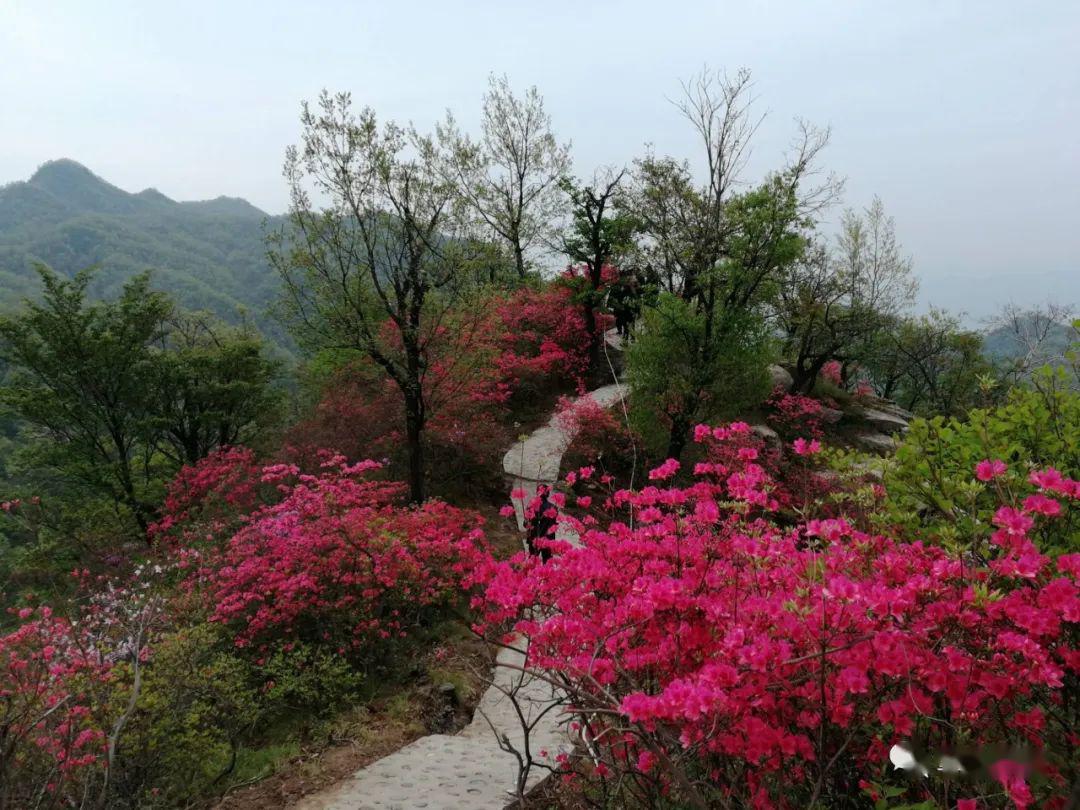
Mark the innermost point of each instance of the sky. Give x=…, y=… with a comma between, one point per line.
x=964, y=117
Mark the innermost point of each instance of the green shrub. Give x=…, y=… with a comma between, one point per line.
x=206, y=715
x=931, y=486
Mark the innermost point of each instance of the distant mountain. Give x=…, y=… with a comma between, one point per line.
x=209, y=254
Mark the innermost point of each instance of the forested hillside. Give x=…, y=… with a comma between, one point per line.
x=776, y=538
x=209, y=254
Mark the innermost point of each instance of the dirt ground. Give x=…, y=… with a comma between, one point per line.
x=439, y=699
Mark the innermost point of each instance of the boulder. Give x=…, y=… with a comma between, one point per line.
x=874, y=442
x=831, y=416
x=884, y=421
x=889, y=407
x=780, y=378
x=768, y=435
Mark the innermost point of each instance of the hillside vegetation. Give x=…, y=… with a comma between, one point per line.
x=824, y=552
x=211, y=254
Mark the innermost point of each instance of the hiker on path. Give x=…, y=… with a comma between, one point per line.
x=541, y=523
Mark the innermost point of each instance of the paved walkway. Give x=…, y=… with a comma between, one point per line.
x=471, y=770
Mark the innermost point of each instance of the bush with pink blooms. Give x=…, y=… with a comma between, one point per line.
x=51, y=737
x=710, y=657
x=336, y=562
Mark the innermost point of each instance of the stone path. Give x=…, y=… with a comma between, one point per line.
x=470, y=770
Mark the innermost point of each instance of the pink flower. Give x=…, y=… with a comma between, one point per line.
x=1041, y=505
x=802, y=447
x=1051, y=479
x=966, y=804
x=1013, y=522
x=989, y=469
x=831, y=371
x=645, y=761
x=1012, y=777
x=664, y=471
x=853, y=680
x=1046, y=479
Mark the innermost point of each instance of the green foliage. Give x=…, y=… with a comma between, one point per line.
x=931, y=486
x=683, y=370
x=104, y=401
x=80, y=378
x=213, y=388
x=204, y=714
x=929, y=364
x=209, y=255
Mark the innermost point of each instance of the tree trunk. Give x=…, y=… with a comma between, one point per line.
x=414, y=430
x=680, y=432
x=519, y=260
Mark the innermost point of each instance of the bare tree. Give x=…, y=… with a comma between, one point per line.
x=833, y=302
x=379, y=265
x=687, y=226
x=1029, y=337
x=509, y=179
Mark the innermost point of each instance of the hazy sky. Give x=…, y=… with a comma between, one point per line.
x=963, y=117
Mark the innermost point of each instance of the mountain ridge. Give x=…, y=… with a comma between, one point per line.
x=209, y=254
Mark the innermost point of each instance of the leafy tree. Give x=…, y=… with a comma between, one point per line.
x=929, y=364
x=115, y=395
x=688, y=228
x=833, y=302
x=723, y=254
x=509, y=179
x=81, y=380
x=381, y=265
x=598, y=235
x=213, y=387
x=682, y=370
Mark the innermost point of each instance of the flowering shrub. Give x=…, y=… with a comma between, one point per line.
x=496, y=358
x=795, y=414
x=950, y=475
x=541, y=337
x=51, y=742
x=205, y=496
x=335, y=562
x=64, y=693
x=712, y=658
x=833, y=372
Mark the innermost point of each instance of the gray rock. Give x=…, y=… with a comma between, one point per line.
x=768, y=435
x=884, y=421
x=831, y=415
x=780, y=378
x=889, y=407
x=875, y=442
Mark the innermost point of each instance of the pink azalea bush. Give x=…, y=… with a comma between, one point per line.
x=336, y=561
x=710, y=656
x=49, y=672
